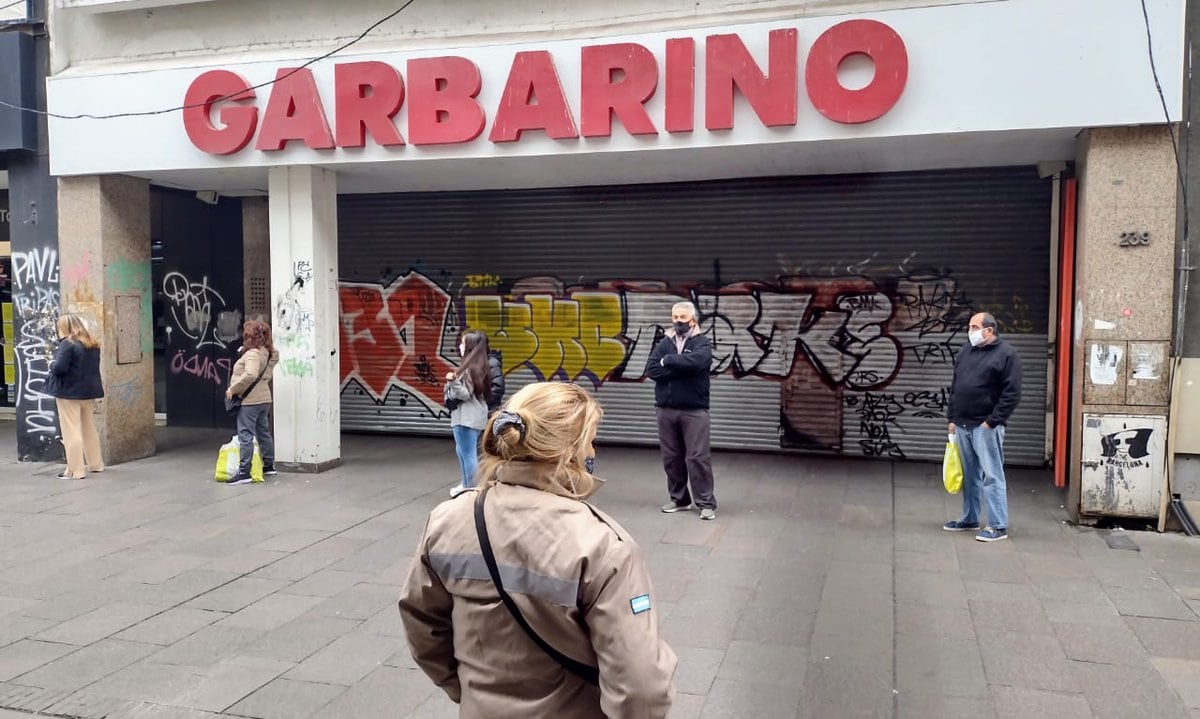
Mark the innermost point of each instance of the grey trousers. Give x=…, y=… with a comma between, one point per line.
x=251, y=423
x=683, y=438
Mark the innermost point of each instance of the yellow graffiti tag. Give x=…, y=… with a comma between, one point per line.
x=572, y=336
x=482, y=281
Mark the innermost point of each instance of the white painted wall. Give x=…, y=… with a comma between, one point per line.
x=179, y=34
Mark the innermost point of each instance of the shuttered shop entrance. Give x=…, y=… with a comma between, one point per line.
x=836, y=304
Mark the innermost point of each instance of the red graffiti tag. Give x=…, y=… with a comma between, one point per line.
x=393, y=336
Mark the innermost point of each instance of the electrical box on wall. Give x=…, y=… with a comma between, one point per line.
x=1123, y=464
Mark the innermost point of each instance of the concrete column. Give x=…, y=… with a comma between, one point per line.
x=256, y=258
x=1125, y=278
x=104, y=252
x=304, y=272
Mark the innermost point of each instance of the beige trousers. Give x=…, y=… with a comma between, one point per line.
x=77, y=418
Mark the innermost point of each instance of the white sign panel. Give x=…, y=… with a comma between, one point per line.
x=973, y=70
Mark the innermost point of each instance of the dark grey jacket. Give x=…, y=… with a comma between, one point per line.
x=75, y=372
x=986, y=385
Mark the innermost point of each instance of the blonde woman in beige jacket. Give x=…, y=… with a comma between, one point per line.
x=575, y=576
x=253, y=420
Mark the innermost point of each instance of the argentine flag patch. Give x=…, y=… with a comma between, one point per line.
x=640, y=604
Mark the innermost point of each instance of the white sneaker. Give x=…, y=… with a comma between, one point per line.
x=458, y=489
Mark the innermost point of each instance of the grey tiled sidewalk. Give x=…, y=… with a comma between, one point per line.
x=826, y=588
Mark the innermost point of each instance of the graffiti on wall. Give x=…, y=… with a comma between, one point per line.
x=199, y=312
x=835, y=345
x=36, y=301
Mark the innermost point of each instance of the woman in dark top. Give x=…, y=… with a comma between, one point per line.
x=74, y=382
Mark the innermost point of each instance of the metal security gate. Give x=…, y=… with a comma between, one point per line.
x=836, y=304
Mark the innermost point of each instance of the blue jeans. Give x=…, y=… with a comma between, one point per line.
x=251, y=425
x=466, y=445
x=982, y=452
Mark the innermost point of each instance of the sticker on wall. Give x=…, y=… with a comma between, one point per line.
x=1103, y=365
x=1104, y=325
x=1147, y=359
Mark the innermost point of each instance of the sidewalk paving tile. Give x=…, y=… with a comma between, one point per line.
x=1102, y=644
x=911, y=705
x=1184, y=676
x=1121, y=692
x=347, y=659
x=237, y=595
x=287, y=699
x=1038, y=704
x=270, y=612
x=1025, y=660
x=1158, y=601
x=92, y=663
x=762, y=663
x=738, y=699
x=27, y=654
x=697, y=669
x=208, y=646
x=1011, y=616
x=301, y=637
x=170, y=626
x=950, y=667
x=1167, y=637
x=386, y=691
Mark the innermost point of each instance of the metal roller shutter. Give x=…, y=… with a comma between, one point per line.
x=835, y=303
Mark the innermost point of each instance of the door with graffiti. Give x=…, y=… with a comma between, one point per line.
x=198, y=304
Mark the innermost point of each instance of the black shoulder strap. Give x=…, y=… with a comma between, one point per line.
x=258, y=379
x=589, y=674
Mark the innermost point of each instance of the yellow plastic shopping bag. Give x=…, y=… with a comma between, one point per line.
x=228, y=459
x=952, y=471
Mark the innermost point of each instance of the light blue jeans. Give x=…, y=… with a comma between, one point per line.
x=466, y=445
x=982, y=452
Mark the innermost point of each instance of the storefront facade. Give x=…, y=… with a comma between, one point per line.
x=837, y=186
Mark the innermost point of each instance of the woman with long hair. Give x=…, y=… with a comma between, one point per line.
x=75, y=384
x=467, y=392
x=251, y=380
x=525, y=557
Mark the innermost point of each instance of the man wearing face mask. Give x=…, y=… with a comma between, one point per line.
x=985, y=391
x=679, y=366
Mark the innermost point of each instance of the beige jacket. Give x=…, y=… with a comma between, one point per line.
x=578, y=578
x=246, y=370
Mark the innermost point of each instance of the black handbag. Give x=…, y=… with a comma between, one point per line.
x=233, y=405
x=589, y=674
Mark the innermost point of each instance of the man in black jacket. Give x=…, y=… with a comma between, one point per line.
x=679, y=366
x=985, y=391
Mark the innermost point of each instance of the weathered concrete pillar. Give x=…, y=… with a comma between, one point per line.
x=256, y=258
x=104, y=252
x=304, y=273
x=1123, y=319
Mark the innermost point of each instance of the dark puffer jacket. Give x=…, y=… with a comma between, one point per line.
x=75, y=372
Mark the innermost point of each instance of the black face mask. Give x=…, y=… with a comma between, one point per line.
x=682, y=328
x=590, y=465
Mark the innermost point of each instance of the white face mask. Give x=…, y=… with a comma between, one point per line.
x=976, y=337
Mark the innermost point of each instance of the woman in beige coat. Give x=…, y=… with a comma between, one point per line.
x=573, y=574
x=251, y=377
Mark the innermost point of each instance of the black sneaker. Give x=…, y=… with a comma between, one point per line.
x=269, y=470
x=241, y=479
